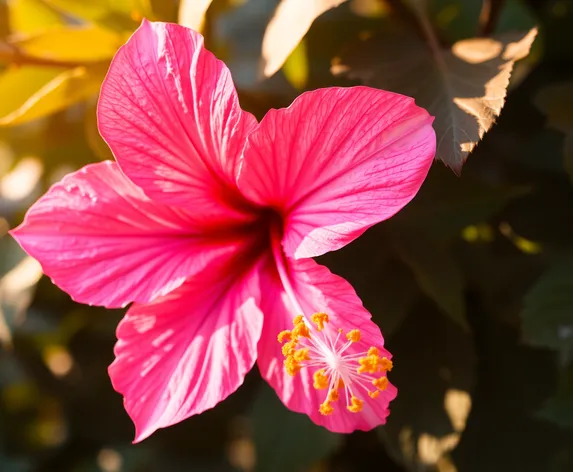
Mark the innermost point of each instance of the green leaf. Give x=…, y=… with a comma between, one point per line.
x=384, y=283
x=72, y=44
x=437, y=273
x=559, y=408
x=556, y=101
x=548, y=308
x=391, y=296
x=568, y=155
x=34, y=92
x=19, y=274
x=284, y=440
x=434, y=371
x=515, y=16
x=31, y=16
x=464, y=86
x=459, y=19
x=10, y=464
x=446, y=204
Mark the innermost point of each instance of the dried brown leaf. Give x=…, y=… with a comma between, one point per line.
x=463, y=87
x=192, y=13
x=291, y=21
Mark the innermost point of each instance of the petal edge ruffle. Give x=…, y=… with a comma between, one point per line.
x=336, y=162
x=100, y=239
x=186, y=352
x=169, y=111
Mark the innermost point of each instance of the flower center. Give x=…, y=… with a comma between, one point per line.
x=338, y=368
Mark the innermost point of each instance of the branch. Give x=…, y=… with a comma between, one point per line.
x=489, y=15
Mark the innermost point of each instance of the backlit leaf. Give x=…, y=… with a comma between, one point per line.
x=463, y=87
x=192, y=13
x=33, y=92
x=73, y=44
x=288, y=26
x=284, y=440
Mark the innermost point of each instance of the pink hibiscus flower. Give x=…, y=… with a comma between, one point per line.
x=208, y=220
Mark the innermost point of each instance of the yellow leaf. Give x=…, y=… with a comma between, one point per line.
x=295, y=68
x=34, y=92
x=73, y=44
x=94, y=139
x=192, y=13
x=291, y=21
x=29, y=16
x=114, y=14
x=87, y=9
x=463, y=87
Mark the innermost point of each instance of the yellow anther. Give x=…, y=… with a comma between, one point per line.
x=374, y=394
x=319, y=319
x=298, y=320
x=326, y=409
x=291, y=366
x=340, y=330
x=355, y=405
x=333, y=396
x=340, y=383
x=320, y=380
x=386, y=364
x=373, y=351
x=369, y=364
x=301, y=329
x=372, y=362
x=353, y=335
x=283, y=336
x=289, y=348
x=301, y=355
x=380, y=383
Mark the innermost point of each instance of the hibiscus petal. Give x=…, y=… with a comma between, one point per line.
x=105, y=243
x=186, y=352
x=336, y=162
x=316, y=289
x=169, y=111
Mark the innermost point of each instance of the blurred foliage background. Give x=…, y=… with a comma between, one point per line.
x=472, y=284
